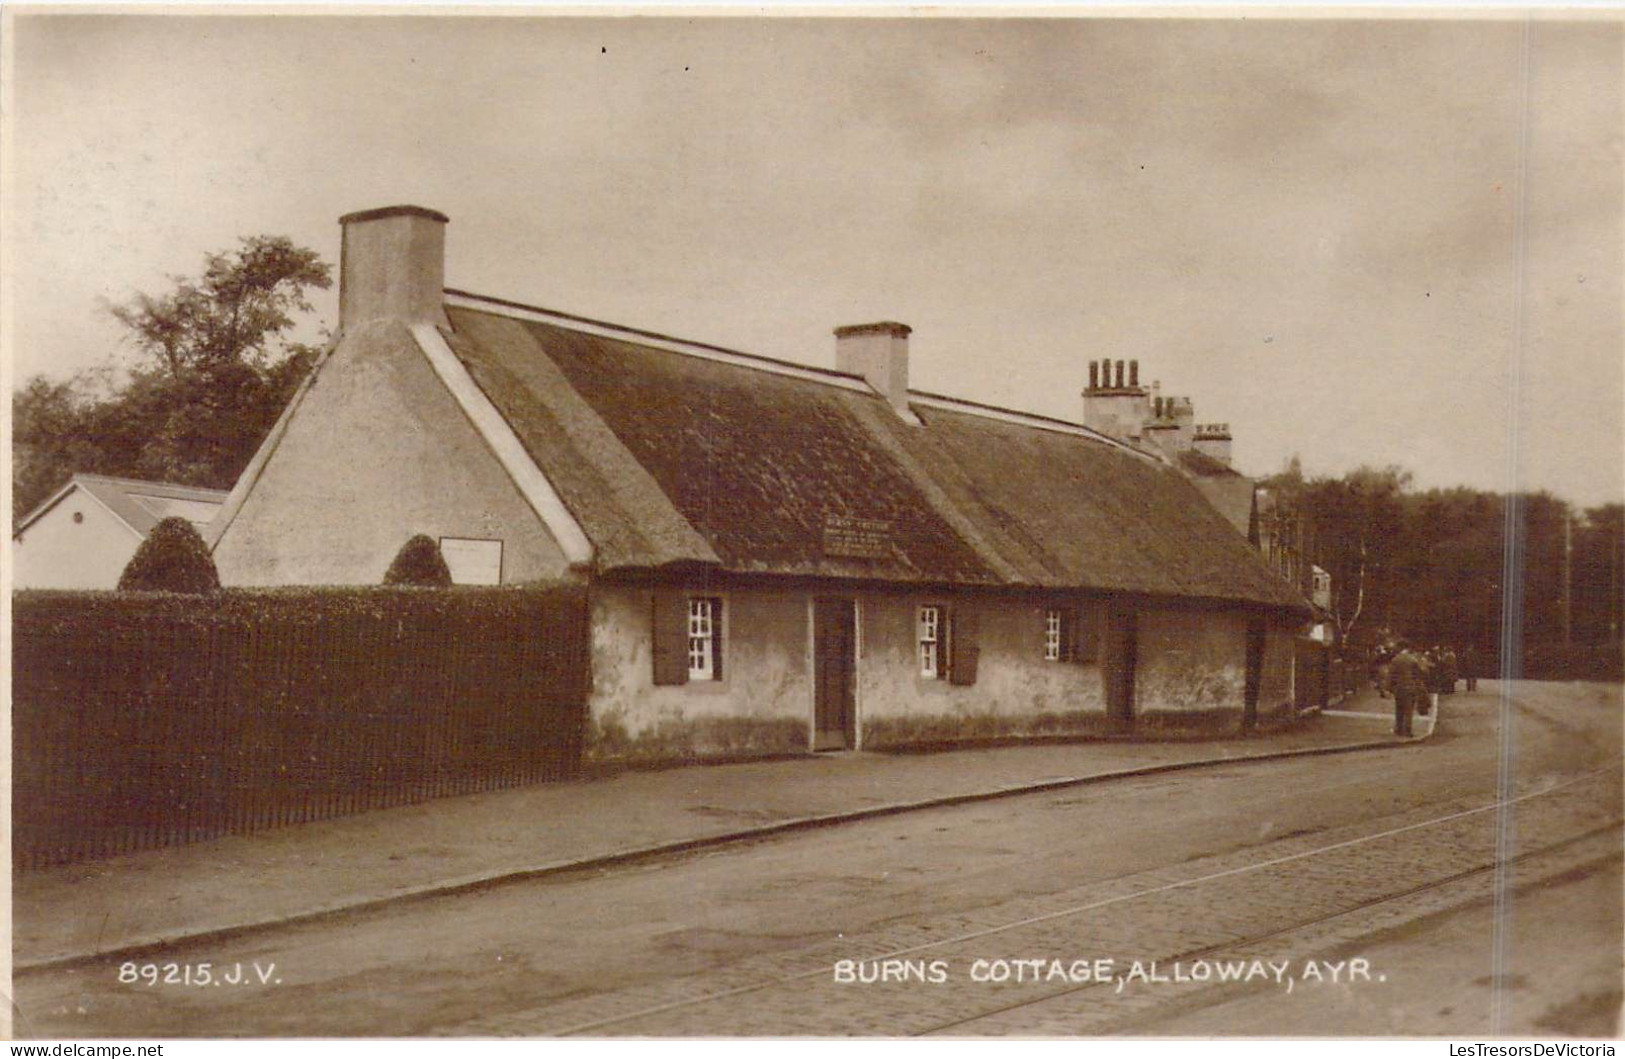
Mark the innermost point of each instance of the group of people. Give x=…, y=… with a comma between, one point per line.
x=1416, y=677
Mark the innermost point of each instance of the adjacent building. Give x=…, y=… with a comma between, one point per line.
x=85, y=533
x=780, y=557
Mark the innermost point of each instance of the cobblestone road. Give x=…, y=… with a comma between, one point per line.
x=1273, y=903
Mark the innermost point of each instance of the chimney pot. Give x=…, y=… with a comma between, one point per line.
x=392, y=266
x=1119, y=375
x=1134, y=373
x=1094, y=375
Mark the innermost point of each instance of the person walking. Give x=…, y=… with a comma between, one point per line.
x=1448, y=678
x=1430, y=671
x=1469, y=666
x=1381, y=657
x=1407, y=680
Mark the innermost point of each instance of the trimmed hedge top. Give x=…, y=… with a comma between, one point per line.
x=173, y=558
x=56, y=610
x=419, y=563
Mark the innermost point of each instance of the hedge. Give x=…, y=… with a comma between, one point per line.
x=419, y=562
x=172, y=558
x=154, y=718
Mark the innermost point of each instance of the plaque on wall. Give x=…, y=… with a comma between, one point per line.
x=857, y=538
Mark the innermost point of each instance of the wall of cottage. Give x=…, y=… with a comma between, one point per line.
x=1194, y=662
x=1190, y=662
x=377, y=451
x=1190, y=676
x=1017, y=692
x=762, y=705
x=1275, y=685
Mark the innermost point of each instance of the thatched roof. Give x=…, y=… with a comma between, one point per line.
x=674, y=453
x=1227, y=489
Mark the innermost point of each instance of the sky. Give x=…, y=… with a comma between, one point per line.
x=1384, y=241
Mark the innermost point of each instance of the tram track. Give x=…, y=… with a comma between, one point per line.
x=1485, y=872
x=1224, y=903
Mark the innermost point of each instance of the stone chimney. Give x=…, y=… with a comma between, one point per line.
x=879, y=353
x=1213, y=439
x=392, y=266
x=1114, y=404
x=1182, y=414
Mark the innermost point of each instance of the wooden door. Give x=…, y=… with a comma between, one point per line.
x=1121, y=650
x=1255, y=672
x=834, y=673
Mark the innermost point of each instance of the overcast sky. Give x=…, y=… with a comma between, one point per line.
x=1309, y=227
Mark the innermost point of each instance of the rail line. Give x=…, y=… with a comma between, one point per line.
x=1294, y=928
x=922, y=1022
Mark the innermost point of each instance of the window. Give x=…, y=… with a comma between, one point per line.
x=933, y=653
x=704, y=638
x=1070, y=633
x=1055, y=635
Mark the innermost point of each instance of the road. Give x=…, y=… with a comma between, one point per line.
x=1386, y=857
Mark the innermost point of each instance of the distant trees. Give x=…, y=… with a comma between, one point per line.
x=1356, y=520
x=1599, y=572
x=216, y=371
x=1436, y=566
x=1348, y=527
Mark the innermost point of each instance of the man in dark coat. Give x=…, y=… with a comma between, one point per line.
x=1408, y=679
x=1449, y=676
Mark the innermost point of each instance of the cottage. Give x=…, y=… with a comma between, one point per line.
x=85, y=533
x=780, y=557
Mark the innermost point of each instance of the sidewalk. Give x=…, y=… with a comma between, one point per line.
x=234, y=884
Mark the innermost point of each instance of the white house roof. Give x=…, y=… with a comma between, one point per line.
x=138, y=504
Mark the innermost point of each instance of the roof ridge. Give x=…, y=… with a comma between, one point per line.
x=147, y=483
x=640, y=333
x=1000, y=408
x=1036, y=420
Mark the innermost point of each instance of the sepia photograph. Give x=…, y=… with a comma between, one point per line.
x=831, y=522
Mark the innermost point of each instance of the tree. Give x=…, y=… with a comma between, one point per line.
x=231, y=314
x=48, y=441
x=1599, y=575
x=216, y=371
x=173, y=558
x=1356, y=519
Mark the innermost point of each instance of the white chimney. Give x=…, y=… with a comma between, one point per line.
x=1182, y=413
x=1213, y=439
x=879, y=353
x=392, y=266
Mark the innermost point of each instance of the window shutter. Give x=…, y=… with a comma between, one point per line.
x=1069, y=633
x=1086, y=634
x=716, y=638
x=669, y=638
x=963, y=644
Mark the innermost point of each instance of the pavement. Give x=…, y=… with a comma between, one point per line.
x=139, y=902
